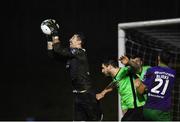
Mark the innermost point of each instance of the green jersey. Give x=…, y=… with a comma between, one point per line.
x=124, y=89
x=141, y=76
x=143, y=72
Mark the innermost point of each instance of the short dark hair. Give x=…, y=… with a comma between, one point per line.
x=137, y=56
x=165, y=56
x=112, y=62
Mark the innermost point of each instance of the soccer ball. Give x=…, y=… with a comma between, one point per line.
x=49, y=26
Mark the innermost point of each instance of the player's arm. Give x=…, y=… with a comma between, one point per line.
x=52, y=41
x=60, y=50
x=103, y=93
x=108, y=89
x=56, y=50
x=55, y=39
x=49, y=46
x=140, y=87
x=126, y=61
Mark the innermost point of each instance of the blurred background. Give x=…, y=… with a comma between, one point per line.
x=36, y=87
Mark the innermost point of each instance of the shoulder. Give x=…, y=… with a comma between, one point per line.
x=125, y=68
x=150, y=72
x=146, y=67
x=153, y=68
x=169, y=70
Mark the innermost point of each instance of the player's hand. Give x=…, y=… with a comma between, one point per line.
x=137, y=82
x=49, y=45
x=55, y=39
x=55, y=31
x=124, y=60
x=99, y=96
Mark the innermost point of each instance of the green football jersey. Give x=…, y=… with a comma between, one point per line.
x=141, y=76
x=125, y=90
x=143, y=72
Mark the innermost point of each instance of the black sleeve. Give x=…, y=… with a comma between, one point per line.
x=62, y=51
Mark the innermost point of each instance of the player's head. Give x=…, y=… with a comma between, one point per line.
x=137, y=59
x=77, y=40
x=164, y=57
x=108, y=65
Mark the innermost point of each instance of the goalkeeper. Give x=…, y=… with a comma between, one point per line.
x=86, y=106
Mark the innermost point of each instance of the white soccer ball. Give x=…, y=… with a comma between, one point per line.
x=48, y=26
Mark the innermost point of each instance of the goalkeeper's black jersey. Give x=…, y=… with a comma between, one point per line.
x=77, y=64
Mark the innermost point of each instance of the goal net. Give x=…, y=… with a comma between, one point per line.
x=147, y=39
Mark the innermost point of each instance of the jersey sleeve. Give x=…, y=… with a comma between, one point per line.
x=122, y=73
x=143, y=72
x=66, y=52
x=148, y=77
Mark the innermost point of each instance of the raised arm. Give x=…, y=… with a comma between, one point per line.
x=60, y=50
x=126, y=61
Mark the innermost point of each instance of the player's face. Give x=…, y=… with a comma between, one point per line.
x=74, y=41
x=105, y=70
x=137, y=60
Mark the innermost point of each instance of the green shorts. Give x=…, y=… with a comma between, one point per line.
x=152, y=114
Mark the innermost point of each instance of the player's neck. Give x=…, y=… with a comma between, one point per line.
x=79, y=46
x=162, y=65
x=114, y=72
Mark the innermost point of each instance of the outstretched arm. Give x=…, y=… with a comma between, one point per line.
x=103, y=93
x=108, y=89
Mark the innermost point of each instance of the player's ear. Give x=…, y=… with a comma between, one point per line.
x=141, y=62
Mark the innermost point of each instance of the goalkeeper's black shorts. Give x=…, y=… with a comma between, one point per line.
x=86, y=107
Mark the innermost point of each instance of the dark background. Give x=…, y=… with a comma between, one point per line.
x=34, y=86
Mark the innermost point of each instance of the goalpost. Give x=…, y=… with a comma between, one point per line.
x=123, y=32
